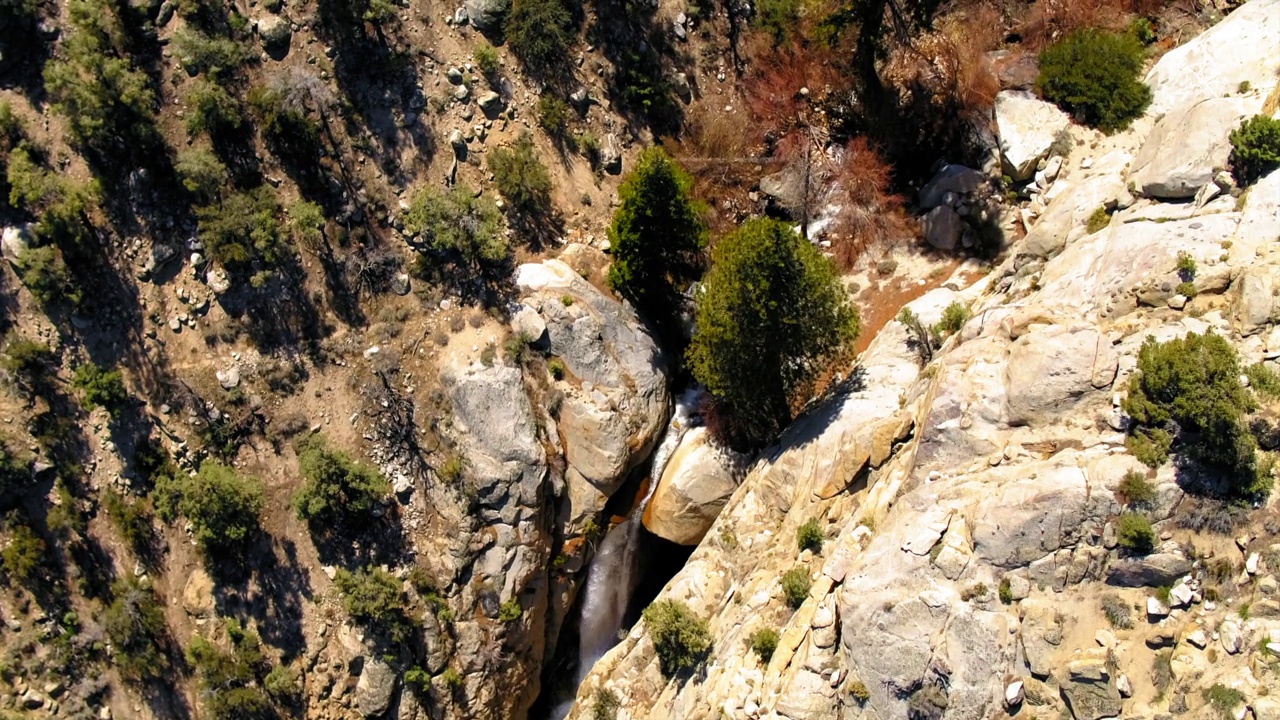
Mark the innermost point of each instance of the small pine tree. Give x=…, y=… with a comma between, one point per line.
x=223, y=507
x=657, y=236
x=1094, y=75
x=1255, y=149
x=338, y=492
x=772, y=315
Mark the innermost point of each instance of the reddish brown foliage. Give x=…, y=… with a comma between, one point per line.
x=1050, y=20
x=871, y=215
x=774, y=83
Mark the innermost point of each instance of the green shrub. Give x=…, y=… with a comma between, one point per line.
x=338, y=492
x=521, y=177
x=107, y=100
x=1094, y=75
x=680, y=638
x=1135, y=490
x=1223, y=699
x=286, y=122
x=657, y=236
x=222, y=507
x=553, y=116
x=1150, y=446
x=809, y=536
x=954, y=316
x=1005, y=591
x=858, y=691
x=539, y=32
x=45, y=274
x=1134, y=533
x=1098, y=220
x=1263, y=380
x=555, y=366
x=243, y=230
x=780, y=18
x=134, y=623
x=464, y=229
x=452, y=468
x=1117, y=612
x=101, y=388
x=31, y=366
x=215, y=57
x=451, y=679
x=974, y=592
x=605, y=705
x=1255, y=149
x=373, y=597
x=233, y=681
x=1193, y=383
x=486, y=59
x=202, y=173
x=1186, y=265
x=763, y=642
x=1142, y=29
x=213, y=110
x=510, y=611
x=23, y=553
x=1186, y=289
x=131, y=519
x=771, y=317
x=796, y=584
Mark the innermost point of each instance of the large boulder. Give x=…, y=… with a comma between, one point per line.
x=951, y=178
x=1158, y=570
x=615, y=400
x=695, y=485
x=942, y=227
x=1028, y=127
x=1051, y=369
x=1088, y=687
x=1240, y=48
x=486, y=15
x=1066, y=218
x=375, y=687
x=1187, y=147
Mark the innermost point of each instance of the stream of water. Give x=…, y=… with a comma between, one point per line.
x=612, y=577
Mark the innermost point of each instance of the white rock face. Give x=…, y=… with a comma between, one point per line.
x=1240, y=48
x=695, y=485
x=1027, y=127
x=1188, y=146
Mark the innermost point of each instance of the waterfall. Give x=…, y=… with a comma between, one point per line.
x=612, y=578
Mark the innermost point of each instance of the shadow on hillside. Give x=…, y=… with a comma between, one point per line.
x=268, y=586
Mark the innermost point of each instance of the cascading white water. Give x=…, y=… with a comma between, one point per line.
x=612, y=576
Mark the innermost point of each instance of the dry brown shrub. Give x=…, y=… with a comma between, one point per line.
x=774, y=83
x=871, y=215
x=1050, y=20
x=969, y=35
x=715, y=148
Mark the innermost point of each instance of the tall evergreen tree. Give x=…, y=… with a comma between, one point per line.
x=771, y=317
x=657, y=236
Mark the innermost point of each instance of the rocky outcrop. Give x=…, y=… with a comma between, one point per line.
x=1028, y=128
x=1187, y=147
x=615, y=400
x=969, y=511
x=696, y=484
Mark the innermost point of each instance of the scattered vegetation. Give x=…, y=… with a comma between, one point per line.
x=1136, y=490
x=1186, y=265
x=795, y=586
x=1223, y=699
x=242, y=232
x=373, y=597
x=1005, y=591
x=134, y=623
x=240, y=682
x=1192, y=384
x=520, y=176
x=221, y=505
x=605, y=705
x=101, y=388
x=338, y=492
x=1255, y=149
x=763, y=642
x=680, y=638
x=539, y=32
x=1098, y=220
x=1263, y=380
x=1095, y=76
x=771, y=317
x=1118, y=613
x=23, y=552
x=1134, y=533
x=954, y=316
x=809, y=536
x=510, y=611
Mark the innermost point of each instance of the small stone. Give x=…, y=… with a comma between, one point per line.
x=1177, y=302
x=229, y=378
x=1251, y=565
x=1014, y=693
x=1229, y=636
x=1197, y=638
x=1181, y=595
x=1124, y=686
x=1156, y=609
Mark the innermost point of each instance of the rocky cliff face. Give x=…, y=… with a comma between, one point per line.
x=969, y=506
